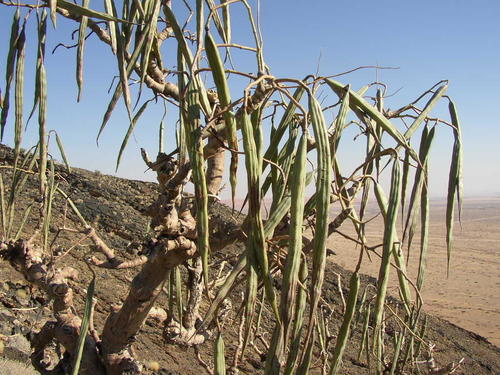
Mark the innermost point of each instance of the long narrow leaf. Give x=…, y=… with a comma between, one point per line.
x=19, y=96
x=188, y=58
x=119, y=87
x=322, y=209
x=357, y=101
x=256, y=243
x=63, y=154
x=271, y=152
x=454, y=181
x=292, y=265
x=396, y=250
x=109, y=7
x=221, y=29
x=219, y=77
x=42, y=106
x=226, y=16
x=220, y=361
x=23, y=221
x=425, y=112
x=389, y=236
x=84, y=326
x=80, y=49
x=130, y=130
x=300, y=307
x=151, y=36
x=3, y=208
x=424, y=229
x=82, y=11
x=195, y=149
x=346, y=324
x=9, y=71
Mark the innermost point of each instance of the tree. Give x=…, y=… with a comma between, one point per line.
x=210, y=122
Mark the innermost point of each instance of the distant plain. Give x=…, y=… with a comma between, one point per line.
x=470, y=295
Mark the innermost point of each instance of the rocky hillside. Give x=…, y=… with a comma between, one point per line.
x=115, y=208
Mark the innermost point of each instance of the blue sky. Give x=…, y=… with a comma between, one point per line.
x=447, y=39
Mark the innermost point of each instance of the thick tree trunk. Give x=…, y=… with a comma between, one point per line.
x=174, y=244
x=121, y=326
x=215, y=164
x=195, y=287
x=28, y=259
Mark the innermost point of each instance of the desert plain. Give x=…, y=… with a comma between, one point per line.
x=469, y=296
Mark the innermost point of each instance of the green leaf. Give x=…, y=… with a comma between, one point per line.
x=425, y=112
x=79, y=52
x=130, y=130
x=63, y=154
x=219, y=77
x=192, y=122
x=9, y=71
x=109, y=6
x=82, y=11
x=388, y=244
x=19, y=96
x=454, y=181
x=84, y=326
x=343, y=335
x=357, y=101
x=220, y=361
x=322, y=201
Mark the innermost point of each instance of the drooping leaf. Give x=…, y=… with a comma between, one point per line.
x=454, y=181
x=219, y=77
x=425, y=112
x=80, y=50
x=256, y=243
x=343, y=335
x=357, y=101
x=226, y=16
x=192, y=122
x=84, y=326
x=130, y=130
x=63, y=154
x=292, y=265
x=9, y=71
x=388, y=244
x=322, y=201
x=42, y=103
x=109, y=6
x=220, y=361
x=19, y=96
x=82, y=11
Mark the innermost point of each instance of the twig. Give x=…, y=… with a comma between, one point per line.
x=202, y=362
x=339, y=286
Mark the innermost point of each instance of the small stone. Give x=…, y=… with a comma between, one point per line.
x=153, y=366
x=21, y=293
x=18, y=348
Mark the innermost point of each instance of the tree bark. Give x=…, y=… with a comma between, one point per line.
x=28, y=259
x=215, y=164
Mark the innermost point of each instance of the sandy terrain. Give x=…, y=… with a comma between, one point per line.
x=470, y=296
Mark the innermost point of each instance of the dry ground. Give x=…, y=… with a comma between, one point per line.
x=470, y=295
x=114, y=206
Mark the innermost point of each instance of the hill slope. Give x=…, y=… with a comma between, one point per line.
x=115, y=207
